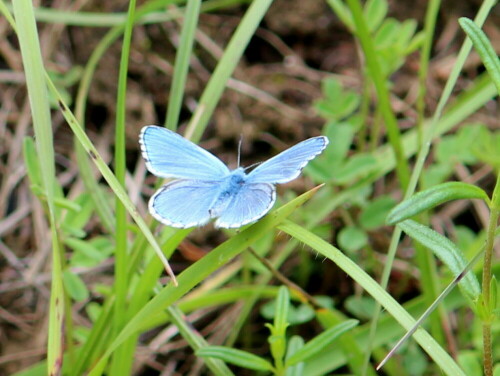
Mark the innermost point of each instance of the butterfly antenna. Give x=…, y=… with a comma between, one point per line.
x=252, y=166
x=239, y=149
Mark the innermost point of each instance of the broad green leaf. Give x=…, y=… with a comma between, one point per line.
x=294, y=344
x=360, y=165
x=433, y=197
x=387, y=34
x=352, y=238
x=375, y=213
x=320, y=342
x=406, y=32
x=237, y=357
x=75, y=287
x=375, y=12
x=79, y=218
x=446, y=251
x=361, y=307
x=459, y=147
x=86, y=248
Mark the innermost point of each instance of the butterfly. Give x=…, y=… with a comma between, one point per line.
x=205, y=188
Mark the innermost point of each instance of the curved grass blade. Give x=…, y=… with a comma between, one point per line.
x=484, y=49
x=433, y=197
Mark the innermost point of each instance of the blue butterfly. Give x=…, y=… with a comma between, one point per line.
x=206, y=189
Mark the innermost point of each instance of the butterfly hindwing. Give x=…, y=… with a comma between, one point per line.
x=287, y=165
x=249, y=203
x=169, y=155
x=184, y=203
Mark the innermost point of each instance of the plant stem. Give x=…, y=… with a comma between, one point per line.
x=488, y=258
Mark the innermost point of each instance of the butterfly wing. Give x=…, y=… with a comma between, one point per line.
x=184, y=203
x=169, y=155
x=249, y=203
x=287, y=165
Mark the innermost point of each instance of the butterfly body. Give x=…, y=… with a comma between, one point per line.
x=206, y=189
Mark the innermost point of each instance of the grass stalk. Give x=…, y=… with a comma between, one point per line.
x=121, y=363
x=383, y=96
x=40, y=109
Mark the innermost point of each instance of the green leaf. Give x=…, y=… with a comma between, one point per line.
x=352, y=238
x=282, y=307
x=320, y=342
x=456, y=148
x=446, y=251
x=375, y=213
x=86, y=248
x=432, y=197
x=32, y=162
x=237, y=357
x=296, y=315
x=74, y=286
x=358, y=166
x=375, y=12
x=294, y=344
x=405, y=33
x=337, y=103
x=361, y=307
x=387, y=34
x=484, y=49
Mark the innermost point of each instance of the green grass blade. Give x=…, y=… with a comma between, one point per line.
x=432, y=197
x=383, y=96
x=435, y=351
x=190, y=21
x=109, y=176
x=484, y=49
x=318, y=343
x=40, y=109
x=196, y=341
x=225, y=68
x=122, y=360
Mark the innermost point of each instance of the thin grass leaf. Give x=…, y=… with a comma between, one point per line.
x=425, y=340
x=181, y=67
x=237, y=357
x=484, y=49
x=121, y=363
x=433, y=197
x=318, y=343
x=446, y=251
x=196, y=341
x=379, y=81
x=109, y=176
x=225, y=67
x=40, y=109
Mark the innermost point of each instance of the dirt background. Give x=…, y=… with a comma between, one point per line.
x=268, y=102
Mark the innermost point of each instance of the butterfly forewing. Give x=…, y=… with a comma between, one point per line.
x=184, y=203
x=249, y=203
x=287, y=165
x=169, y=155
